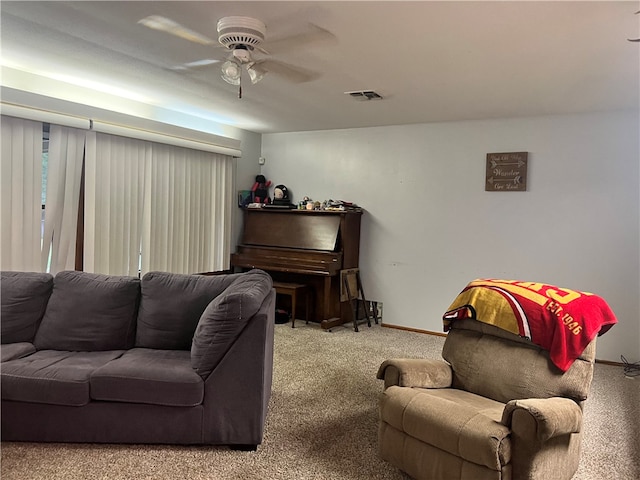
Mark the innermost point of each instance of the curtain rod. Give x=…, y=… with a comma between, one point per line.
x=196, y=140
x=45, y=116
x=112, y=129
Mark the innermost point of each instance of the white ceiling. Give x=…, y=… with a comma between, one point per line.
x=431, y=61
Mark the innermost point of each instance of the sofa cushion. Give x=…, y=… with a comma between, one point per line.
x=171, y=306
x=89, y=312
x=471, y=429
x=11, y=351
x=225, y=317
x=53, y=377
x=159, y=377
x=24, y=297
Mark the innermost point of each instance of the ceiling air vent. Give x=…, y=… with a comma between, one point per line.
x=363, y=95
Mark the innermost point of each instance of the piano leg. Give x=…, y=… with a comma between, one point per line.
x=328, y=323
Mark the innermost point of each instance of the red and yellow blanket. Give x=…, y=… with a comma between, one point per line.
x=559, y=320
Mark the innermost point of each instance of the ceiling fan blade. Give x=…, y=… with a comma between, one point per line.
x=205, y=62
x=313, y=34
x=167, y=25
x=290, y=72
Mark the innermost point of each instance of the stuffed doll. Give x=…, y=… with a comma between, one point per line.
x=260, y=190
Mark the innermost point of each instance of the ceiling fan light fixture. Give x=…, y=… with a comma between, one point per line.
x=231, y=72
x=256, y=72
x=242, y=54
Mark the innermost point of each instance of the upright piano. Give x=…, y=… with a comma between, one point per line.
x=301, y=246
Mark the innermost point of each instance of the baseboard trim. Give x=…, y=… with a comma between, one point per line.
x=440, y=334
x=416, y=330
x=609, y=362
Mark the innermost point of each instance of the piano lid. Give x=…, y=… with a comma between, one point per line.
x=291, y=229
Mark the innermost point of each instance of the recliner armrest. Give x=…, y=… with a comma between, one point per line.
x=415, y=372
x=553, y=416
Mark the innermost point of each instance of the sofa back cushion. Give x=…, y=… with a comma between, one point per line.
x=171, y=306
x=90, y=312
x=226, y=317
x=497, y=364
x=24, y=297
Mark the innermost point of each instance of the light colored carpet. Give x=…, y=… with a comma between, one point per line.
x=322, y=422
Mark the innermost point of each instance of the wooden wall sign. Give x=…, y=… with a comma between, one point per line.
x=506, y=172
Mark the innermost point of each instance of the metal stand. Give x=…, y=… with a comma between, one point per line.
x=354, y=294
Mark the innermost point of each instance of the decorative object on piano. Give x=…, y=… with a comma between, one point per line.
x=302, y=204
x=339, y=206
x=245, y=197
x=329, y=205
x=281, y=196
x=261, y=190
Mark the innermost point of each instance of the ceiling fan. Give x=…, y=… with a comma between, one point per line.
x=242, y=37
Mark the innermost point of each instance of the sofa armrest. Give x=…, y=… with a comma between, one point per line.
x=415, y=372
x=226, y=317
x=552, y=416
x=238, y=390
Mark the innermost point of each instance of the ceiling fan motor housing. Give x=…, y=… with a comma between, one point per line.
x=234, y=31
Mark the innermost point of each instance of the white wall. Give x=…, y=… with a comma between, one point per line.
x=247, y=168
x=430, y=228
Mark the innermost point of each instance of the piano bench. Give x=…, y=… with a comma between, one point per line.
x=292, y=290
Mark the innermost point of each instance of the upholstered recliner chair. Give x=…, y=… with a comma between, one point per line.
x=496, y=408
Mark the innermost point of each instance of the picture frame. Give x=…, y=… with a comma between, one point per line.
x=506, y=172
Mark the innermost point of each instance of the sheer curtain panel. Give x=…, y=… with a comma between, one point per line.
x=64, y=175
x=21, y=194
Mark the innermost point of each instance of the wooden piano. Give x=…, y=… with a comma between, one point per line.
x=302, y=246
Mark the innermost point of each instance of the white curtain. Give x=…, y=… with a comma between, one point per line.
x=151, y=206
x=114, y=194
x=189, y=205
x=21, y=194
x=64, y=175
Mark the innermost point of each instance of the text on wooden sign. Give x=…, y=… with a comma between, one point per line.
x=506, y=172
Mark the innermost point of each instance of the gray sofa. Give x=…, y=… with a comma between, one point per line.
x=170, y=359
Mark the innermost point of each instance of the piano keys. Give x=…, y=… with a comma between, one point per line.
x=301, y=246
